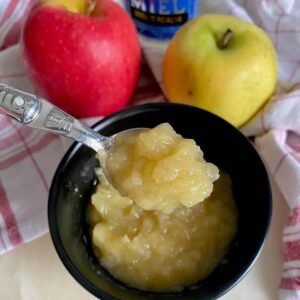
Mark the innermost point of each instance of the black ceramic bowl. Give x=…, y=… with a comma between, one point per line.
x=225, y=146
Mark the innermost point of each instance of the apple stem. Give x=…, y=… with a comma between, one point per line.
x=90, y=6
x=225, y=38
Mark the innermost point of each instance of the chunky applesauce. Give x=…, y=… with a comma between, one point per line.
x=160, y=170
x=162, y=247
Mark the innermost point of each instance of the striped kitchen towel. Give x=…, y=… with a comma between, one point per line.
x=28, y=158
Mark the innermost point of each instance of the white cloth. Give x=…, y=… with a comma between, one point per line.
x=276, y=127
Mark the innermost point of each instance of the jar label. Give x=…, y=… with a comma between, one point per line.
x=160, y=19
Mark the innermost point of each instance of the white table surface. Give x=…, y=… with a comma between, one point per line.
x=33, y=271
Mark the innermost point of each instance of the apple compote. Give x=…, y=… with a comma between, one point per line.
x=167, y=247
x=160, y=170
x=153, y=251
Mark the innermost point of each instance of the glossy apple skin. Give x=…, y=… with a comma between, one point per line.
x=88, y=65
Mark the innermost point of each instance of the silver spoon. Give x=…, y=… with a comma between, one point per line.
x=38, y=113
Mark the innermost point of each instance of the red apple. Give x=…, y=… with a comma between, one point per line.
x=83, y=55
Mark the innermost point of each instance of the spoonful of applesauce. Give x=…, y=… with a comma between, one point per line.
x=38, y=113
x=157, y=168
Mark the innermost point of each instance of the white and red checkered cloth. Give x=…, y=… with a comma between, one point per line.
x=28, y=158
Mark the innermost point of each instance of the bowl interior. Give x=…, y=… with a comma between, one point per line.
x=221, y=143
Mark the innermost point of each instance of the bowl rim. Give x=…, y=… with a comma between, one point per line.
x=74, y=148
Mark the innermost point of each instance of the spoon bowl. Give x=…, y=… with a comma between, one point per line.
x=103, y=153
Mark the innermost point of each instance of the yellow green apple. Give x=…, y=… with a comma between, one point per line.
x=222, y=64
